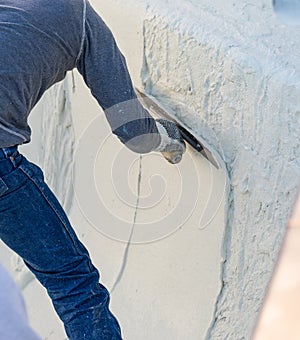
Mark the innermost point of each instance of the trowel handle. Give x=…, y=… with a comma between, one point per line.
x=172, y=157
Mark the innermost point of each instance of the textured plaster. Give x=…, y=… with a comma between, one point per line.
x=237, y=68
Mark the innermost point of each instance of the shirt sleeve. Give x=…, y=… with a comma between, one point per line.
x=104, y=70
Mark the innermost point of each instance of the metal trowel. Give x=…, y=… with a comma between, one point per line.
x=196, y=142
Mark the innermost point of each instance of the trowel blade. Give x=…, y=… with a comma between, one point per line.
x=155, y=108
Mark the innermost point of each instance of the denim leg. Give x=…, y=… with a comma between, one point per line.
x=34, y=225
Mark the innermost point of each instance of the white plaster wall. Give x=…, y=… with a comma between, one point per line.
x=173, y=267
x=237, y=66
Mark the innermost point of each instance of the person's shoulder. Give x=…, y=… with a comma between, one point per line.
x=60, y=7
x=57, y=15
x=49, y=9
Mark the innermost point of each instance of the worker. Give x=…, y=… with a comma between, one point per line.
x=40, y=41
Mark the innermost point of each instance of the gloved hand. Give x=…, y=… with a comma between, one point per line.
x=172, y=145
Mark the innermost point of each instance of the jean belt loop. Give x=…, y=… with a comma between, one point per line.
x=9, y=153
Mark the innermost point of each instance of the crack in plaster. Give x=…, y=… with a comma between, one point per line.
x=126, y=251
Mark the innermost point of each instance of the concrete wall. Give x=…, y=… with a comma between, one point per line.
x=237, y=66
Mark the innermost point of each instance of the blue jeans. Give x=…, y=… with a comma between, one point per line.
x=34, y=225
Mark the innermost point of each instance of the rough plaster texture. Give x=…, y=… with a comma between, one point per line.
x=53, y=140
x=238, y=68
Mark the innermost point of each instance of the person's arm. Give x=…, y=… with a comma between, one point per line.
x=104, y=70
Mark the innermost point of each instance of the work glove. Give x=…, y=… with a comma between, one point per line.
x=172, y=145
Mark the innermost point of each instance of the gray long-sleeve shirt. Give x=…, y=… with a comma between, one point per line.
x=40, y=40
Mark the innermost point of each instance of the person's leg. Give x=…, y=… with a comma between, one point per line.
x=35, y=226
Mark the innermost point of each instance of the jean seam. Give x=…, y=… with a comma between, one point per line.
x=3, y=187
x=54, y=210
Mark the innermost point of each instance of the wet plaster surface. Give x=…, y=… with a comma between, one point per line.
x=236, y=67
